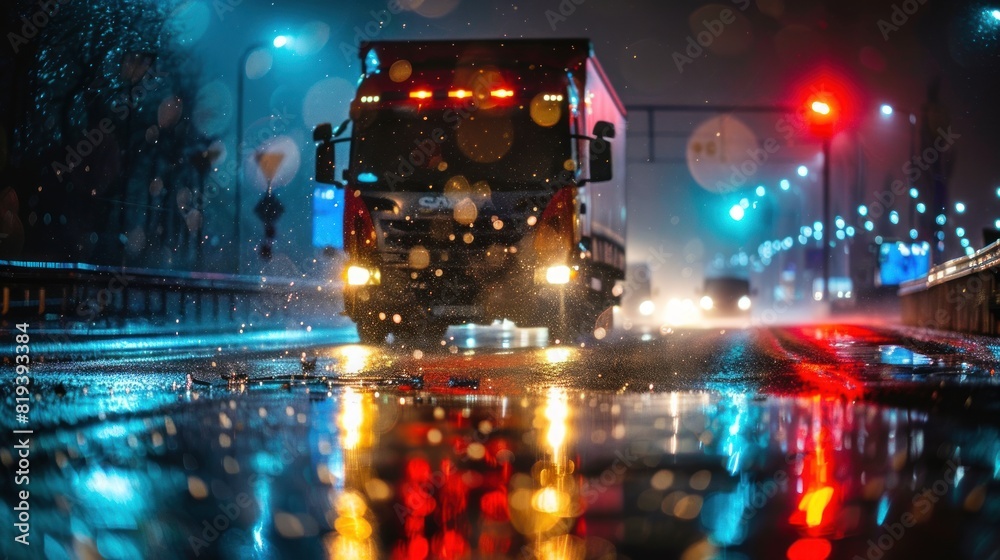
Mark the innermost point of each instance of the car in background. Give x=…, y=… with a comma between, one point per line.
x=725, y=296
x=841, y=291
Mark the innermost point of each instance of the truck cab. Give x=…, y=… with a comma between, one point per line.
x=480, y=186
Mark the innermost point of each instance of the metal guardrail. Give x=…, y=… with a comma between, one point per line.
x=962, y=294
x=81, y=292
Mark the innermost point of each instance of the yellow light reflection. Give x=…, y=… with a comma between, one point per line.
x=556, y=412
x=814, y=504
x=821, y=498
x=351, y=418
x=558, y=354
x=354, y=534
x=353, y=358
x=545, y=506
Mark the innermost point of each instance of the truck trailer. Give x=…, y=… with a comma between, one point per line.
x=480, y=186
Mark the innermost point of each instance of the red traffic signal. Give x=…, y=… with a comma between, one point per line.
x=823, y=113
x=826, y=101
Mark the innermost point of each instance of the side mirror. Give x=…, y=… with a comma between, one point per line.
x=326, y=163
x=326, y=158
x=323, y=132
x=600, y=152
x=604, y=129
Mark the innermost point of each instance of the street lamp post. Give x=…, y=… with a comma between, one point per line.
x=241, y=74
x=888, y=111
x=824, y=116
x=827, y=229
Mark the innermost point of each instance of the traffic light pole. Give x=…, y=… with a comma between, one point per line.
x=826, y=219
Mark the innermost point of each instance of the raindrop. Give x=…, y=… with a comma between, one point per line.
x=465, y=212
x=400, y=71
x=169, y=112
x=156, y=187
x=419, y=258
x=193, y=219
x=456, y=188
x=545, y=112
x=136, y=241
x=434, y=436
x=183, y=197
x=259, y=64
x=486, y=139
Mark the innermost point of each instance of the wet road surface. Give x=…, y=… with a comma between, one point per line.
x=787, y=442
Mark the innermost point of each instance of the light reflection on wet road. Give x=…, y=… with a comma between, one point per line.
x=802, y=443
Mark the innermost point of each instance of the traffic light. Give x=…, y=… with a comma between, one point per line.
x=823, y=113
x=827, y=101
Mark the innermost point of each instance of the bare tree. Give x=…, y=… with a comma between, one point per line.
x=101, y=137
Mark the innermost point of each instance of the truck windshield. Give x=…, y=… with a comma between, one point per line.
x=397, y=149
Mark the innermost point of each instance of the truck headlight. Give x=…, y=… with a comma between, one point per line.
x=359, y=275
x=744, y=303
x=557, y=274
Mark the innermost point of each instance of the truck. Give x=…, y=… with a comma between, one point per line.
x=480, y=186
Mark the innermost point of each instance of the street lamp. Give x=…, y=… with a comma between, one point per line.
x=887, y=111
x=241, y=75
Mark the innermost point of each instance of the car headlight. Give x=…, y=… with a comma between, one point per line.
x=557, y=274
x=744, y=303
x=647, y=308
x=706, y=303
x=359, y=275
